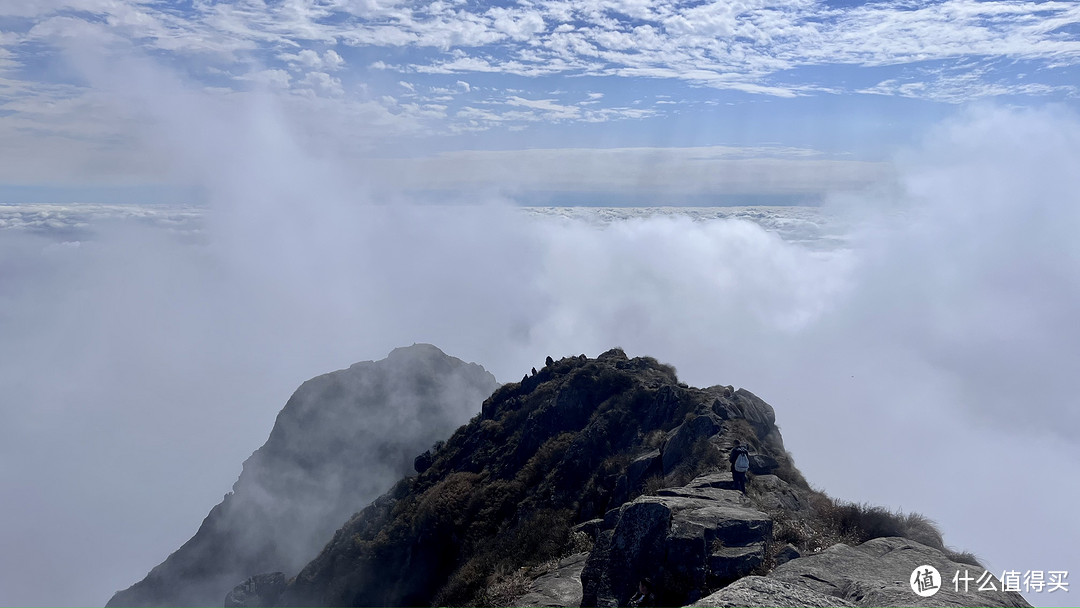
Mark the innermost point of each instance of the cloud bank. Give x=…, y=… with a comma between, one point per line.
x=923, y=366
x=571, y=73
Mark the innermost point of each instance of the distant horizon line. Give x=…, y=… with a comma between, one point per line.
x=586, y=205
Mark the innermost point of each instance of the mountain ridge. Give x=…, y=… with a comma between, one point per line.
x=613, y=457
x=590, y=475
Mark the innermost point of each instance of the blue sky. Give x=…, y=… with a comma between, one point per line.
x=948, y=293
x=831, y=89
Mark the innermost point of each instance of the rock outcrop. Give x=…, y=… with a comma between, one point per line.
x=567, y=488
x=685, y=540
x=762, y=591
x=341, y=440
x=874, y=573
x=583, y=441
x=259, y=590
x=560, y=588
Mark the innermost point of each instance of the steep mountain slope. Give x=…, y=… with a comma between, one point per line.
x=617, y=468
x=581, y=437
x=341, y=440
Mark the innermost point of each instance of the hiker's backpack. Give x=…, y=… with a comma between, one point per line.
x=742, y=462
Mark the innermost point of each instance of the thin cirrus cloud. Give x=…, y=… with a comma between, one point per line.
x=760, y=47
x=286, y=111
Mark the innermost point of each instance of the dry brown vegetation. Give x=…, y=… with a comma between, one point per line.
x=831, y=521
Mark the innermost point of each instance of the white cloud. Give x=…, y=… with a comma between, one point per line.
x=516, y=23
x=43, y=8
x=963, y=84
x=959, y=310
x=548, y=106
x=723, y=45
x=118, y=129
x=458, y=65
x=329, y=61
x=273, y=78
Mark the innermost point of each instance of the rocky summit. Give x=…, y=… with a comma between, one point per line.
x=342, y=439
x=590, y=476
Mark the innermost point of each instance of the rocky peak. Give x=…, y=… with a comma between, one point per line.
x=579, y=441
x=341, y=440
x=589, y=475
x=567, y=488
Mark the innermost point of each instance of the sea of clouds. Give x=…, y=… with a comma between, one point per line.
x=918, y=341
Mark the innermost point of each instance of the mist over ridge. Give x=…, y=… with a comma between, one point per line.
x=341, y=440
x=946, y=321
x=204, y=205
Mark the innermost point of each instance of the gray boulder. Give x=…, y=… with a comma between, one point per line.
x=560, y=588
x=786, y=553
x=877, y=573
x=775, y=494
x=763, y=464
x=770, y=492
x=761, y=417
x=640, y=469
x=669, y=399
x=759, y=414
x=643, y=467
x=714, y=480
x=762, y=591
x=687, y=540
x=591, y=528
x=682, y=441
x=727, y=496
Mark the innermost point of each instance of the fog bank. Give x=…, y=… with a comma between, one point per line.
x=920, y=363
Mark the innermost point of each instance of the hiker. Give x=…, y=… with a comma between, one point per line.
x=740, y=464
x=645, y=595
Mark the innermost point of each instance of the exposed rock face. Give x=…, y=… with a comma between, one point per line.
x=341, y=440
x=581, y=441
x=560, y=588
x=787, y=553
x=762, y=591
x=681, y=444
x=876, y=573
x=685, y=540
x=259, y=590
x=609, y=463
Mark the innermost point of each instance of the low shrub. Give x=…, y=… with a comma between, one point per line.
x=963, y=557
